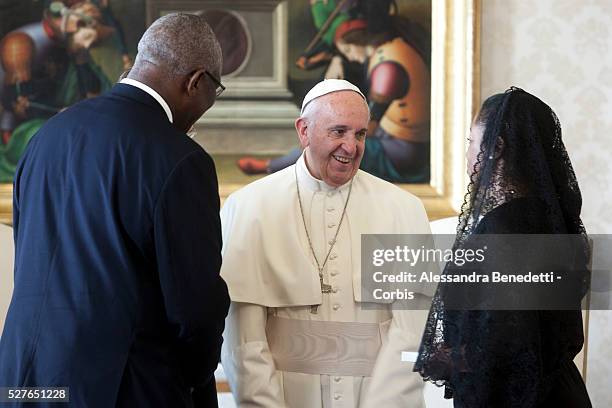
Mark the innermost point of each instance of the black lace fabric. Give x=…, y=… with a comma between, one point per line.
x=522, y=183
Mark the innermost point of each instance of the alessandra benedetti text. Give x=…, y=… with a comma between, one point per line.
x=492, y=277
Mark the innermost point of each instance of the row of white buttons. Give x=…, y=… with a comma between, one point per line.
x=334, y=272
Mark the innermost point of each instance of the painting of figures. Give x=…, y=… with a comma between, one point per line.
x=383, y=47
x=53, y=54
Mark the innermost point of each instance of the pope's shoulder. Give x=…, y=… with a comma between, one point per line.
x=263, y=189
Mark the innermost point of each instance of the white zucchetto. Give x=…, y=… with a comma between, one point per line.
x=328, y=86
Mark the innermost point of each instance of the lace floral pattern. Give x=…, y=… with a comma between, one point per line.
x=525, y=184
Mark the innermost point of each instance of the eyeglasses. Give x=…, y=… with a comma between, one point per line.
x=220, y=88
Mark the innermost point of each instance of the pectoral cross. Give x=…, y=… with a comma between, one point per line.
x=325, y=288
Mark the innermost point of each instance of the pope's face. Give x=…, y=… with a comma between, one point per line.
x=334, y=133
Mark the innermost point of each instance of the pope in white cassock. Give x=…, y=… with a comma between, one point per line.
x=296, y=334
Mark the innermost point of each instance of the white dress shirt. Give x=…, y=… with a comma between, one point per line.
x=151, y=92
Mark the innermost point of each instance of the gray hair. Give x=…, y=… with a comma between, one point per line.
x=180, y=43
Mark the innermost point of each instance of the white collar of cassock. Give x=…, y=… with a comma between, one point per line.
x=311, y=183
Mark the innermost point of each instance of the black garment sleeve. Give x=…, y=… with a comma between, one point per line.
x=187, y=233
x=205, y=396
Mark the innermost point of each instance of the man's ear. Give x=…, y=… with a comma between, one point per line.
x=301, y=125
x=195, y=80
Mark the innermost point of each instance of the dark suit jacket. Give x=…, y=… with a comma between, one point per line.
x=117, y=256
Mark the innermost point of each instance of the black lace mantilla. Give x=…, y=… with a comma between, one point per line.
x=524, y=183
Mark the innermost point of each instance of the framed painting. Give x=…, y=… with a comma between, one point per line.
x=275, y=50
x=53, y=54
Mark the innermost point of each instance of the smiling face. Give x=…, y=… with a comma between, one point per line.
x=333, y=130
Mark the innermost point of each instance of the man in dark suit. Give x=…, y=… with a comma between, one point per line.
x=117, y=290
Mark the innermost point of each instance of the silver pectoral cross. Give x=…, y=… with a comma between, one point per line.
x=325, y=288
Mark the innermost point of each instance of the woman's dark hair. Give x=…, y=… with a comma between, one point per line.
x=489, y=107
x=522, y=155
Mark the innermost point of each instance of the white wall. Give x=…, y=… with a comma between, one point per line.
x=561, y=51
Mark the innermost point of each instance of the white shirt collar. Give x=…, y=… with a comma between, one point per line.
x=309, y=181
x=151, y=92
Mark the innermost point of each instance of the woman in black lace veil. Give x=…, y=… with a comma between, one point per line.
x=521, y=182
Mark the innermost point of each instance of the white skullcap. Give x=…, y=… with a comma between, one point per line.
x=328, y=86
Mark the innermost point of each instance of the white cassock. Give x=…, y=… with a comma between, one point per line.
x=276, y=352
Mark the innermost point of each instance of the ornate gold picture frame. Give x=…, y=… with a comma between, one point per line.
x=455, y=98
x=6, y=203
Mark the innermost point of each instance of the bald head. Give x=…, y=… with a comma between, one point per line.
x=180, y=43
